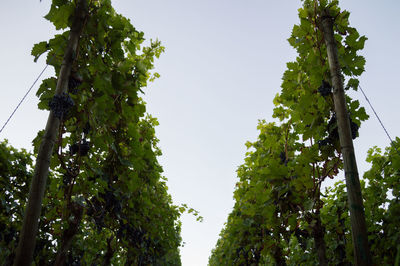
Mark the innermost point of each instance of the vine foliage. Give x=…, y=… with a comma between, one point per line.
x=106, y=200
x=280, y=214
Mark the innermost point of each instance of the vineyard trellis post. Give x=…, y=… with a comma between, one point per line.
x=29, y=229
x=357, y=216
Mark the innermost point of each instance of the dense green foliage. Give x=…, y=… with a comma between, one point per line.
x=382, y=204
x=15, y=175
x=381, y=195
x=280, y=215
x=106, y=199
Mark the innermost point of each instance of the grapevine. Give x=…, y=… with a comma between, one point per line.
x=278, y=216
x=106, y=198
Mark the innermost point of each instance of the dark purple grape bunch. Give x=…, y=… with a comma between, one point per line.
x=325, y=89
x=81, y=148
x=283, y=158
x=354, y=128
x=61, y=104
x=333, y=133
x=97, y=212
x=332, y=129
x=67, y=178
x=74, y=81
x=86, y=129
x=112, y=203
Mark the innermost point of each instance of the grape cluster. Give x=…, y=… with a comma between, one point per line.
x=81, y=148
x=67, y=178
x=333, y=128
x=75, y=258
x=84, y=148
x=107, y=202
x=99, y=221
x=74, y=82
x=40, y=245
x=8, y=235
x=324, y=142
x=283, y=158
x=87, y=128
x=302, y=236
x=96, y=211
x=334, y=133
x=60, y=105
x=325, y=89
x=354, y=129
x=111, y=201
x=128, y=231
x=74, y=148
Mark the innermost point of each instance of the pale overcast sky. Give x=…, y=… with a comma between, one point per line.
x=222, y=67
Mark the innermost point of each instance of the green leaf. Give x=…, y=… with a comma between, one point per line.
x=60, y=15
x=141, y=67
x=302, y=13
x=353, y=83
x=396, y=161
x=38, y=49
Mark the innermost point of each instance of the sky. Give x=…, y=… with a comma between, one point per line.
x=221, y=69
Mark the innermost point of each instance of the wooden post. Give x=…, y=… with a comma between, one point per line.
x=27, y=239
x=357, y=217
